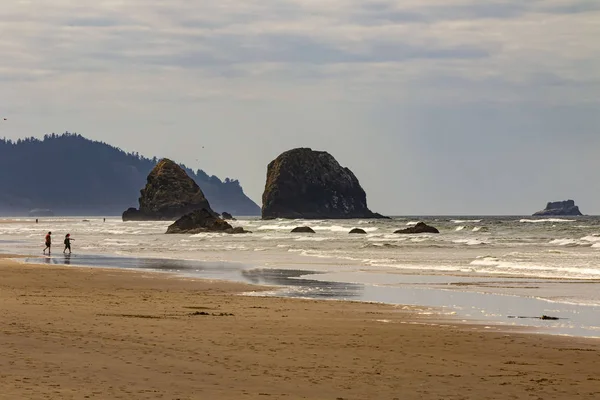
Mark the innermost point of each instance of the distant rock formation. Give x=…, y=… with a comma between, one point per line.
x=303, y=229
x=420, y=227
x=226, y=215
x=302, y=183
x=559, y=208
x=169, y=194
x=108, y=180
x=358, y=230
x=202, y=220
x=132, y=214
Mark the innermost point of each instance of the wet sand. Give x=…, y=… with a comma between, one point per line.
x=74, y=333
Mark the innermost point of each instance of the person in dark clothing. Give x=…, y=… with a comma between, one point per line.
x=68, y=243
x=48, y=242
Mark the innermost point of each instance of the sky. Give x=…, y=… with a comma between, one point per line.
x=439, y=107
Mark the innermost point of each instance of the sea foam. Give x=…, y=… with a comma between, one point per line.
x=535, y=221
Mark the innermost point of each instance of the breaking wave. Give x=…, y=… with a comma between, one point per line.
x=536, y=221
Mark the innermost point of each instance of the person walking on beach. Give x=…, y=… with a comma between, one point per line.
x=48, y=242
x=68, y=243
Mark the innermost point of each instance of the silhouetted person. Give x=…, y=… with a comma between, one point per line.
x=48, y=242
x=104, y=220
x=36, y=220
x=68, y=243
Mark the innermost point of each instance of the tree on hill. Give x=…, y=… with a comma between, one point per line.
x=74, y=175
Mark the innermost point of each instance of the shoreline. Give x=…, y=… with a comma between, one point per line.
x=105, y=333
x=467, y=300
x=267, y=290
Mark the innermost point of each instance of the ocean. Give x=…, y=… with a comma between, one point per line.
x=481, y=269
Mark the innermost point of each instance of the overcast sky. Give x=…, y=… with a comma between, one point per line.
x=437, y=106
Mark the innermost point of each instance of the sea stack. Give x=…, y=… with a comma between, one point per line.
x=169, y=194
x=303, y=183
x=560, y=208
x=202, y=220
x=420, y=227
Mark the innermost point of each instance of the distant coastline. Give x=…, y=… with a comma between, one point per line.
x=72, y=175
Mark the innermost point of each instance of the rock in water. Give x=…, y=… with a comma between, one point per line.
x=358, y=231
x=420, y=227
x=202, y=221
x=303, y=229
x=226, y=215
x=132, y=214
x=169, y=194
x=559, y=208
x=302, y=183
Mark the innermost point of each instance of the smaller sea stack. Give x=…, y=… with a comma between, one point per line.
x=202, y=220
x=420, y=227
x=560, y=208
x=169, y=194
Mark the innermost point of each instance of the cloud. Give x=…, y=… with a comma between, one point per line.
x=97, y=22
x=394, y=12
x=295, y=49
x=383, y=84
x=571, y=7
x=371, y=45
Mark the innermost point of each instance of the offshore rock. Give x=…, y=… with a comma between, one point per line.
x=133, y=214
x=169, y=194
x=226, y=215
x=303, y=229
x=358, y=230
x=559, y=208
x=420, y=227
x=302, y=183
x=202, y=221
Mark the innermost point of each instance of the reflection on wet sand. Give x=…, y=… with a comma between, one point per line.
x=474, y=306
x=289, y=279
x=303, y=287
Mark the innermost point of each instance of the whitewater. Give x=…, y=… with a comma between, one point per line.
x=554, y=261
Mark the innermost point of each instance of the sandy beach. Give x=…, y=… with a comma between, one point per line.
x=75, y=333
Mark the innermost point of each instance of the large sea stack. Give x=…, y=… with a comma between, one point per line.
x=169, y=194
x=558, y=208
x=303, y=183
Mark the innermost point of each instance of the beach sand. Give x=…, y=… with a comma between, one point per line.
x=78, y=333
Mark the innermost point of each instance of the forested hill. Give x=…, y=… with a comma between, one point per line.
x=72, y=175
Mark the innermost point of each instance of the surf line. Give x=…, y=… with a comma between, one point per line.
x=545, y=317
